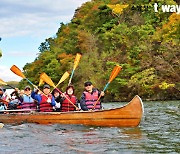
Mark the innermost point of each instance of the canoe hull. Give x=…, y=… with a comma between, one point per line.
x=127, y=116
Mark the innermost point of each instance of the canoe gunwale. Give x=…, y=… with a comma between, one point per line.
x=30, y=111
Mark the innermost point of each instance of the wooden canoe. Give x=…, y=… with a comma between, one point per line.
x=128, y=115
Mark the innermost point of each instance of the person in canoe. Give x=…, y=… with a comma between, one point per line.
x=2, y=97
x=57, y=98
x=15, y=100
x=27, y=102
x=46, y=101
x=90, y=96
x=67, y=106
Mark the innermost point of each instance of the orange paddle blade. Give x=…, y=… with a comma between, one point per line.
x=76, y=61
x=17, y=71
x=2, y=82
x=64, y=77
x=115, y=72
x=47, y=79
x=40, y=82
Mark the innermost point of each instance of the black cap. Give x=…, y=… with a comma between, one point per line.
x=87, y=83
x=46, y=86
x=27, y=87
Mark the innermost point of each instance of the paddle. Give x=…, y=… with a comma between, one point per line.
x=3, y=101
x=4, y=83
x=40, y=82
x=48, y=80
x=64, y=77
x=114, y=73
x=18, y=72
x=76, y=62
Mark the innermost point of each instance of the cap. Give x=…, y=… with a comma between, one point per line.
x=27, y=87
x=87, y=83
x=46, y=86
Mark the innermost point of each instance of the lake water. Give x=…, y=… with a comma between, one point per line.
x=159, y=132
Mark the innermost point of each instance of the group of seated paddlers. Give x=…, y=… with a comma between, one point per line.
x=45, y=101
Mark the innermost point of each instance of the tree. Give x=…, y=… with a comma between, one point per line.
x=109, y=32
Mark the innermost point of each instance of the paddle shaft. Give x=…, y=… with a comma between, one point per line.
x=114, y=73
x=101, y=95
x=3, y=101
x=36, y=87
x=10, y=86
x=71, y=77
x=76, y=62
x=67, y=98
x=64, y=77
x=55, y=87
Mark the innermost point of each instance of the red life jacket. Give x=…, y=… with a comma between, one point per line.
x=44, y=106
x=66, y=105
x=90, y=100
x=28, y=105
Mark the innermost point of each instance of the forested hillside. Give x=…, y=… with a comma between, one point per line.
x=109, y=32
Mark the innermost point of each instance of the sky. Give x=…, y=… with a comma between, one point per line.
x=24, y=25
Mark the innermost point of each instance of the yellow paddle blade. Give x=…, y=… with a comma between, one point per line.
x=47, y=79
x=64, y=77
x=40, y=82
x=115, y=72
x=76, y=61
x=2, y=82
x=17, y=71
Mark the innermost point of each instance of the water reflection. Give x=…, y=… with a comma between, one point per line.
x=157, y=133
x=132, y=133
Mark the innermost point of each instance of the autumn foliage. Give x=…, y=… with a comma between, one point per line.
x=128, y=33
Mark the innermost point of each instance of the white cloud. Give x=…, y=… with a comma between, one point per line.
x=21, y=54
x=35, y=18
x=7, y=75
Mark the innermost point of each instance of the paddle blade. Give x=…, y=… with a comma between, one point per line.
x=76, y=61
x=64, y=77
x=115, y=72
x=2, y=82
x=40, y=82
x=17, y=71
x=47, y=79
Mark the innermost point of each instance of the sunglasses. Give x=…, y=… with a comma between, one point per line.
x=87, y=85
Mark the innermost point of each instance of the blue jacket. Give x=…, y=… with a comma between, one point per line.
x=37, y=97
x=27, y=99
